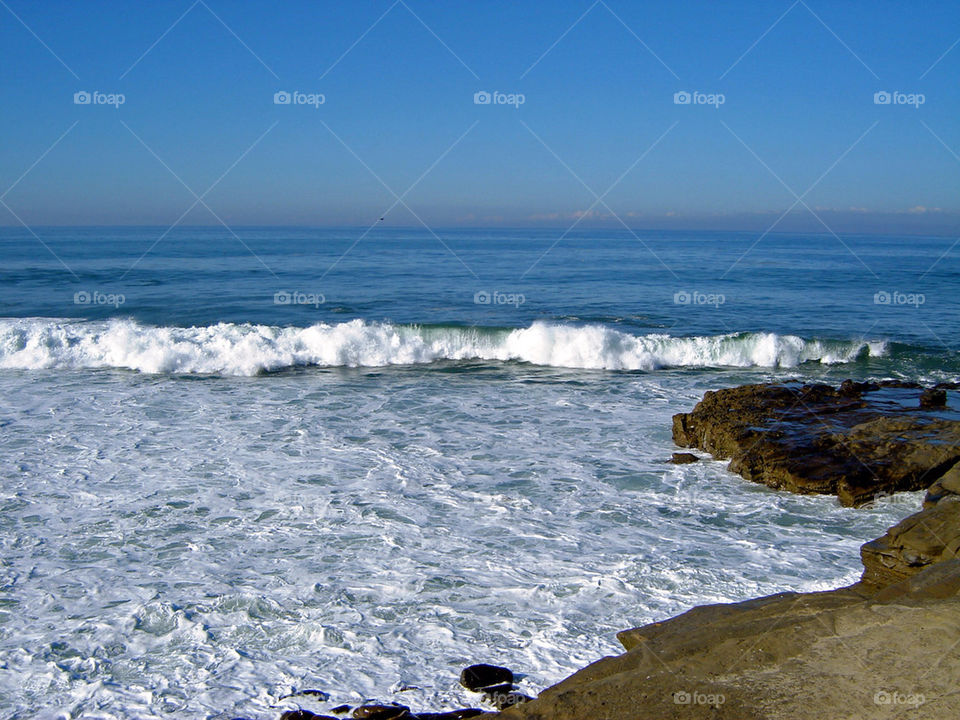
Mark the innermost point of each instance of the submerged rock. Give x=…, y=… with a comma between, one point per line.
x=933, y=398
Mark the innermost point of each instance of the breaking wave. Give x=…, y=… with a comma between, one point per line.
x=246, y=349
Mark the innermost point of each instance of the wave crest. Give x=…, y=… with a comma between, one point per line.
x=246, y=349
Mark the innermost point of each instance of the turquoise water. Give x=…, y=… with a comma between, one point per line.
x=294, y=459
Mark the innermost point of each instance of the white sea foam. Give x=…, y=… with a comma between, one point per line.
x=245, y=349
x=185, y=548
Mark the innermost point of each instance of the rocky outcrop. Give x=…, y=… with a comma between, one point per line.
x=927, y=537
x=857, y=441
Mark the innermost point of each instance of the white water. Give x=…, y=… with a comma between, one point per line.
x=231, y=349
x=178, y=547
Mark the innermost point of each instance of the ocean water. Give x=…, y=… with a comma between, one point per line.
x=239, y=464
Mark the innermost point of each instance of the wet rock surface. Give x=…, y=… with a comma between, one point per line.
x=857, y=441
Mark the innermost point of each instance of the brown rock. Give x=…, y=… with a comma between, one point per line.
x=684, y=458
x=927, y=537
x=854, y=442
x=933, y=398
x=948, y=484
x=503, y=700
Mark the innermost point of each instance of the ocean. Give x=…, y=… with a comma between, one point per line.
x=237, y=464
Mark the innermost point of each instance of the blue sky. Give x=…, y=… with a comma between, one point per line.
x=798, y=116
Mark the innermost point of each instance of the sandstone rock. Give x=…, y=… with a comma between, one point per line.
x=927, y=537
x=684, y=458
x=503, y=700
x=948, y=484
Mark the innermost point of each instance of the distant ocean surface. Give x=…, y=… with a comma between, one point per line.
x=236, y=464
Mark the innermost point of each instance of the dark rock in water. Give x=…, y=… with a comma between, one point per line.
x=486, y=678
x=381, y=712
x=933, y=398
x=849, y=388
x=502, y=700
x=684, y=458
x=304, y=715
x=899, y=384
x=453, y=714
x=340, y=709
x=319, y=694
x=857, y=443
x=947, y=386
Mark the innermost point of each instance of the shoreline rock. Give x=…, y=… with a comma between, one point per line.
x=858, y=441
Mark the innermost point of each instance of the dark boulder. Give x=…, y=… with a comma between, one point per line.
x=933, y=398
x=486, y=678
